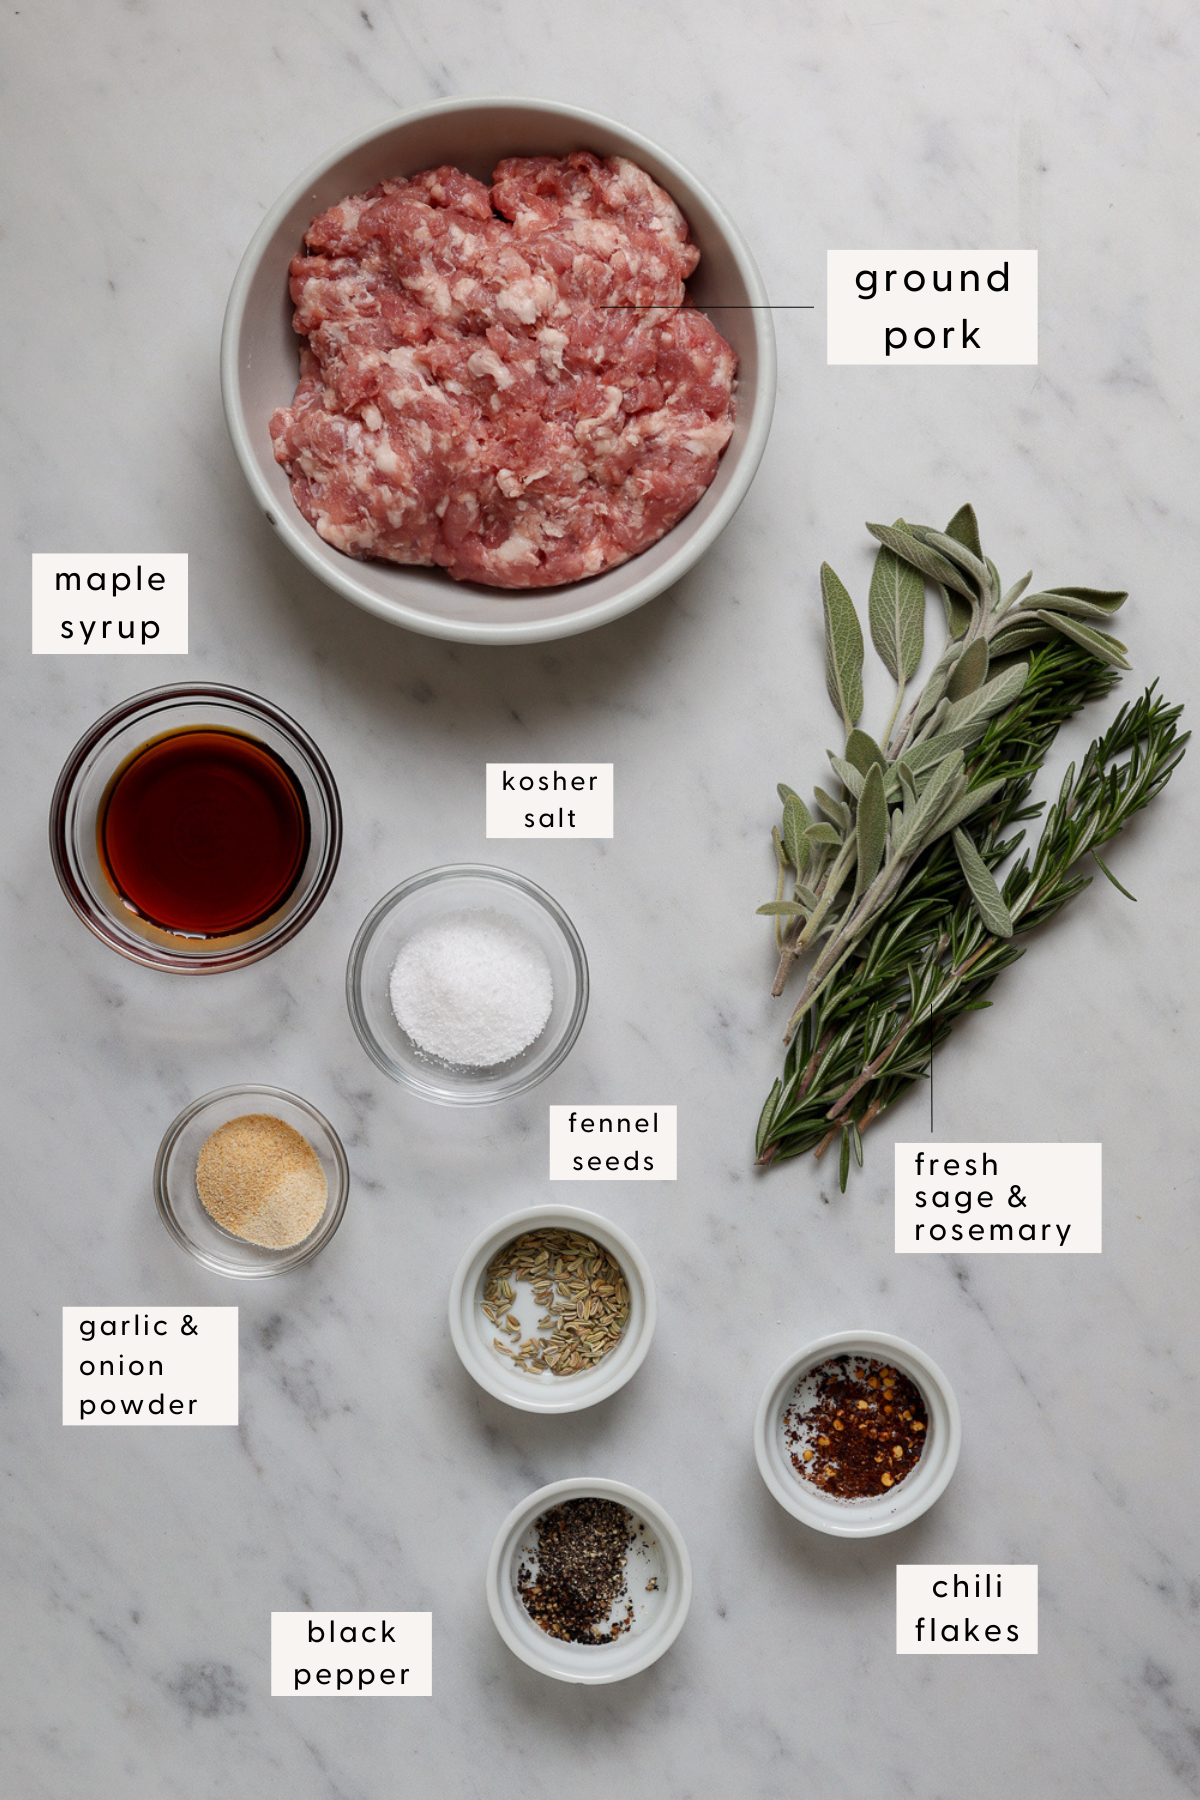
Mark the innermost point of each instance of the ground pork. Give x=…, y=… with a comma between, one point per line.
x=488, y=382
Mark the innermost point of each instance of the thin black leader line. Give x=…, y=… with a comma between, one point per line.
x=706, y=306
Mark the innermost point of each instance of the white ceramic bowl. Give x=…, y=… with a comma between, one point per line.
x=873, y=1516
x=260, y=364
x=661, y=1555
x=473, y=1331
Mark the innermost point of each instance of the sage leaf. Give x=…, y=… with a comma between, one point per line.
x=921, y=556
x=965, y=808
x=846, y=773
x=843, y=649
x=862, y=751
x=964, y=527
x=786, y=793
x=796, y=821
x=974, y=566
x=989, y=902
x=826, y=834
x=1107, y=649
x=1015, y=591
x=958, y=613
x=994, y=577
x=1023, y=631
x=938, y=794
x=935, y=687
x=783, y=909
x=934, y=750
x=970, y=671
x=871, y=828
x=906, y=781
x=897, y=613
x=1106, y=600
x=836, y=811
x=1076, y=606
x=990, y=699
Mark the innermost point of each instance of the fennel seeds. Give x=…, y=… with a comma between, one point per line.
x=581, y=1293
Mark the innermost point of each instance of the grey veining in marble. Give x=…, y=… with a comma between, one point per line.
x=143, y=141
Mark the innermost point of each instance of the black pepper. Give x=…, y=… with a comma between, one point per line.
x=580, y=1577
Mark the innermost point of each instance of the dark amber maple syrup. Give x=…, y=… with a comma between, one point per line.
x=204, y=832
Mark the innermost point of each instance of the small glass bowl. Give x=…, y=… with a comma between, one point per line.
x=660, y=1602
x=179, y=1204
x=473, y=1332
x=421, y=901
x=876, y=1514
x=81, y=788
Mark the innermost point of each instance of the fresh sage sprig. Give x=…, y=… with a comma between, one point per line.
x=887, y=886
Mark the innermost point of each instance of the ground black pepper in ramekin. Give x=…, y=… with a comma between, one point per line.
x=581, y=1550
x=855, y=1427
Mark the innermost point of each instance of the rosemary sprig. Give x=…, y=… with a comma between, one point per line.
x=925, y=929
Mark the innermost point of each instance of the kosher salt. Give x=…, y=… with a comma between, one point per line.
x=472, y=989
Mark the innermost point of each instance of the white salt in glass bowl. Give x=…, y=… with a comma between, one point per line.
x=659, y=1555
x=260, y=364
x=182, y=1211
x=423, y=900
x=879, y=1513
x=473, y=1331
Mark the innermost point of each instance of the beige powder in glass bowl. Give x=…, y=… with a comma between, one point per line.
x=261, y=1180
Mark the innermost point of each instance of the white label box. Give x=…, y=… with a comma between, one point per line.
x=110, y=603
x=352, y=1655
x=549, y=800
x=966, y=1609
x=998, y=1199
x=613, y=1143
x=150, y=1365
x=932, y=307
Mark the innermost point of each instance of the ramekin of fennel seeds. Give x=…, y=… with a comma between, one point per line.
x=558, y=1334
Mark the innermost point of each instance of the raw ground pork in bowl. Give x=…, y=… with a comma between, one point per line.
x=505, y=414
x=486, y=385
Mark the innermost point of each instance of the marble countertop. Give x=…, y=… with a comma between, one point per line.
x=144, y=141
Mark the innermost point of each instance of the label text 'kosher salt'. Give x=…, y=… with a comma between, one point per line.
x=549, y=800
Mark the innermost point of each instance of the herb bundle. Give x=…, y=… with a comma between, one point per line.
x=893, y=893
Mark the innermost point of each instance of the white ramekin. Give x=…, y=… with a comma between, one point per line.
x=873, y=1516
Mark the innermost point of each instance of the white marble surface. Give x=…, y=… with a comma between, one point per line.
x=143, y=141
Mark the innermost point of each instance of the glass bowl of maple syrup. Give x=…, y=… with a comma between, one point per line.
x=195, y=828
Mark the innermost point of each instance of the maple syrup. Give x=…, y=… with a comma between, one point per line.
x=204, y=832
